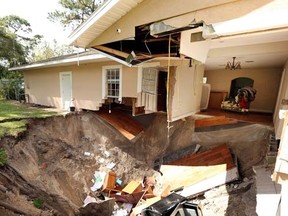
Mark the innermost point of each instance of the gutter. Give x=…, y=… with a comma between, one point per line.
x=57, y=62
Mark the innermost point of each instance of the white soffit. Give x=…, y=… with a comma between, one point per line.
x=101, y=20
x=62, y=62
x=270, y=16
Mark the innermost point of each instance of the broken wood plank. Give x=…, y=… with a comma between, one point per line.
x=112, y=51
x=133, y=186
x=217, y=180
x=215, y=156
x=204, y=169
x=178, y=176
x=124, y=123
x=212, y=121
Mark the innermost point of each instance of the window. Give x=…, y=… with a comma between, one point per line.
x=149, y=80
x=111, y=82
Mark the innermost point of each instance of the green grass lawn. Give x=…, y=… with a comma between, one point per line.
x=10, y=110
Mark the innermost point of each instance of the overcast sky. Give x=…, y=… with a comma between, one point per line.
x=36, y=12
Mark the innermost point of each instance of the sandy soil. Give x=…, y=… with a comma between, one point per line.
x=55, y=160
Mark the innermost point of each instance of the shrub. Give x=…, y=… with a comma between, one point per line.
x=38, y=203
x=3, y=157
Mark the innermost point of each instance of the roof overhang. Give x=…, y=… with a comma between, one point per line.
x=110, y=12
x=76, y=59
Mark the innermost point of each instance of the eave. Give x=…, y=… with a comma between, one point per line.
x=109, y=13
x=62, y=61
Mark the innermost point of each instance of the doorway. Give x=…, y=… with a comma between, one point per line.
x=239, y=83
x=66, y=89
x=162, y=91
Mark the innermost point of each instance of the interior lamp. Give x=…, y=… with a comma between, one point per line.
x=233, y=65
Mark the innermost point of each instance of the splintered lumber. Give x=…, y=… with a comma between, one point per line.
x=132, y=187
x=200, y=172
x=214, y=181
x=216, y=156
x=213, y=121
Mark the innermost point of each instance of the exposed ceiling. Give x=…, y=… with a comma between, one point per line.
x=143, y=47
x=256, y=50
x=263, y=49
x=257, y=37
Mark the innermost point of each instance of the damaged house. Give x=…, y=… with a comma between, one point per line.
x=153, y=55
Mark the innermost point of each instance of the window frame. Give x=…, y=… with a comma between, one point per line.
x=105, y=82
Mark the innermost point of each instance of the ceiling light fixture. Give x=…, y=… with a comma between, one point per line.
x=234, y=65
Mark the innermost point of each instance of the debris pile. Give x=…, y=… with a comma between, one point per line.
x=188, y=176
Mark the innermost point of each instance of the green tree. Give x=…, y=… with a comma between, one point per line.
x=46, y=50
x=74, y=12
x=16, y=40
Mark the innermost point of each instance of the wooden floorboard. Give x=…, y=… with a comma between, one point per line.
x=207, y=169
x=215, y=156
x=121, y=121
x=253, y=117
x=214, y=120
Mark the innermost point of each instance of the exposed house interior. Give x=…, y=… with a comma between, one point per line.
x=234, y=61
x=185, y=65
x=142, y=47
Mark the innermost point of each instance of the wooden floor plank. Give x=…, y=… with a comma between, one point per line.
x=121, y=121
x=215, y=156
x=215, y=120
x=202, y=167
x=253, y=117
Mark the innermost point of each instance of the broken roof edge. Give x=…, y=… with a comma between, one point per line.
x=111, y=57
x=79, y=31
x=61, y=60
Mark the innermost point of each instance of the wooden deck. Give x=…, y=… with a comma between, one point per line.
x=121, y=121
